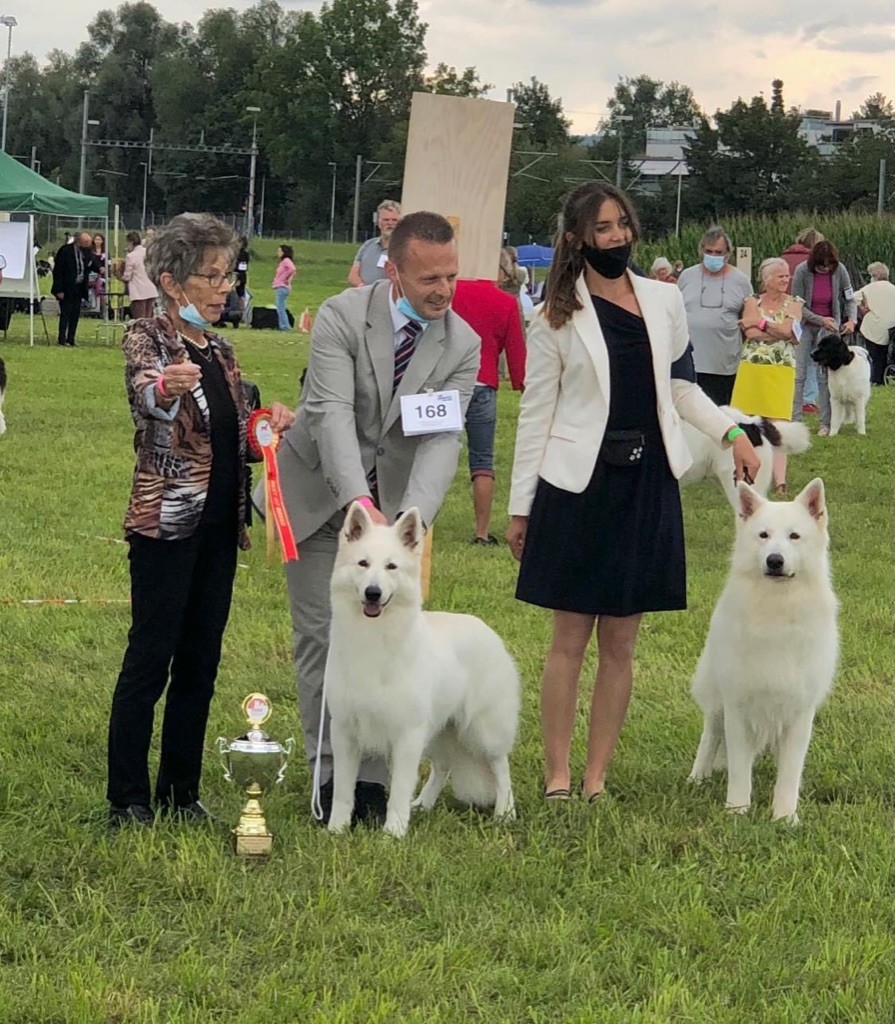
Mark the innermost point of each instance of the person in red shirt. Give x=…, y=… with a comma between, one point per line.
x=494, y=316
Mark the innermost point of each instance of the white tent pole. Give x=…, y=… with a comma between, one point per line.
x=31, y=276
x=107, y=283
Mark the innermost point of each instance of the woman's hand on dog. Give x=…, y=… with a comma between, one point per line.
x=745, y=459
x=516, y=535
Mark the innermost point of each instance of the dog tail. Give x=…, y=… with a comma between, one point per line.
x=795, y=437
x=472, y=780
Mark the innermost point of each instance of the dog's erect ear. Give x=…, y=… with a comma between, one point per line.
x=748, y=500
x=357, y=522
x=814, y=499
x=410, y=529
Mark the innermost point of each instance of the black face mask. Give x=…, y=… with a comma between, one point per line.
x=611, y=263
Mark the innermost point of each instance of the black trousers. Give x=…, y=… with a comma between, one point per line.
x=879, y=360
x=180, y=599
x=69, y=314
x=718, y=386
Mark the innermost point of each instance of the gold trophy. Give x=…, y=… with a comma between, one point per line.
x=256, y=763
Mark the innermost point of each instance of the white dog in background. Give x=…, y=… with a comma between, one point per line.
x=2, y=395
x=771, y=651
x=407, y=683
x=848, y=374
x=709, y=460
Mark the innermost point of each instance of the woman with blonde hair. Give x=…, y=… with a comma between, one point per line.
x=595, y=505
x=771, y=323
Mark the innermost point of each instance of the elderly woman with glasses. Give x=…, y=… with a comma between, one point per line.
x=185, y=519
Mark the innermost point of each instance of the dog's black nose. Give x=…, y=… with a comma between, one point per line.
x=775, y=563
x=373, y=594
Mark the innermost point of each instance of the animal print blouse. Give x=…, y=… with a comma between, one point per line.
x=173, y=446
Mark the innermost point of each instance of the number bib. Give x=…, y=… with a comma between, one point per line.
x=434, y=412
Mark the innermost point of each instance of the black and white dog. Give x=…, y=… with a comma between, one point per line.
x=767, y=436
x=2, y=393
x=848, y=374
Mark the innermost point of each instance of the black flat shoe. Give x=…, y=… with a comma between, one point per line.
x=594, y=797
x=133, y=814
x=370, y=803
x=557, y=795
x=195, y=813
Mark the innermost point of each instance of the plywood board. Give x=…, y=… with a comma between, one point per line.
x=457, y=163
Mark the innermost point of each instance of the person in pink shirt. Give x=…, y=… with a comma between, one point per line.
x=494, y=316
x=282, y=283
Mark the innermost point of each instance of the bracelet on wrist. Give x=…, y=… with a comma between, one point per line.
x=734, y=433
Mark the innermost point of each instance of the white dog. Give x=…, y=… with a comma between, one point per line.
x=408, y=683
x=2, y=395
x=848, y=374
x=766, y=436
x=771, y=651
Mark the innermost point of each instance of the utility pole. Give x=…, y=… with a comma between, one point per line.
x=359, y=164
x=83, y=175
x=250, y=220
x=147, y=171
x=10, y=23
x=332, y=205
x=261, y=214
x=619, y=166
x=881, y=192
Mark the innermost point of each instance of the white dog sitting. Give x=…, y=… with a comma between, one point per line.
x=407, y=683
x=770, y=655
x=766, y=435
x=848, y=374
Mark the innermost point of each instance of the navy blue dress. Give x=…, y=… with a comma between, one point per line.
x=618, y=547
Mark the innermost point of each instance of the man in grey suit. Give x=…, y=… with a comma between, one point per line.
x=369, y=346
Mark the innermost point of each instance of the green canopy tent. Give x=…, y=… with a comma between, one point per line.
x=24, y=191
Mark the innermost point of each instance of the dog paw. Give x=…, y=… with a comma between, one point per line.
x=737, y=810
x=791, y=819
x=697, y=778
x=395, y=829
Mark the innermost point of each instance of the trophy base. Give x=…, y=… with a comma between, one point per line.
x=252, y=845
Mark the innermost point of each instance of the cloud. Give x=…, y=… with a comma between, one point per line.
x=759, y=55
x=858, y=83
x=860, y=41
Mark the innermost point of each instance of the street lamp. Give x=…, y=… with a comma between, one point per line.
x=332, y=205
x=619, y=163
x=10, y=22
x=250, y=219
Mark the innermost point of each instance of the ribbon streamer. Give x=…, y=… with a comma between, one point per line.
x=263, y=441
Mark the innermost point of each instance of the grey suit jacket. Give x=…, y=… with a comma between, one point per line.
x=348, y=420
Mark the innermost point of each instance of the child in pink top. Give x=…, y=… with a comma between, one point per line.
x=282, y=283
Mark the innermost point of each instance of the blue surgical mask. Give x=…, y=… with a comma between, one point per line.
x=403, y=306
x=190, y=315
x=713, y=263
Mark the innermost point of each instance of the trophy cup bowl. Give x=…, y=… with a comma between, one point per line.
x=256, y=763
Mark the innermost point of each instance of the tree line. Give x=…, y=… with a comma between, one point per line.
x=337, y=84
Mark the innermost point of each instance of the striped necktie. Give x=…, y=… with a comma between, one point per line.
x=403, y=354
x=404, y=351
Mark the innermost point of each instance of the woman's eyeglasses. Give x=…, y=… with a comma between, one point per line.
x=216, y=280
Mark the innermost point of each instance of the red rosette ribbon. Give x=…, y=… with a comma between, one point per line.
x=263, y=441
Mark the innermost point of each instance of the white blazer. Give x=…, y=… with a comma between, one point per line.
x=565, y=405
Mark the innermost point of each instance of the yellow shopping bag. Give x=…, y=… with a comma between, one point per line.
x=763, y=389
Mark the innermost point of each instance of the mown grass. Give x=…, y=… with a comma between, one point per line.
x=654, y=907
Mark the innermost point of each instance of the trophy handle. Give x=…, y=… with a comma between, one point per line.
x=288, y=747
x=223, y=745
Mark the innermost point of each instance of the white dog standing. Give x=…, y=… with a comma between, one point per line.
x=771, y=651
x=408, y=683
x=848, y=374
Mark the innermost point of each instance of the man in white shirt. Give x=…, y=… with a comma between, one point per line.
x=876, y=302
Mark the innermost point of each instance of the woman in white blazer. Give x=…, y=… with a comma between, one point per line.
x=595, y=506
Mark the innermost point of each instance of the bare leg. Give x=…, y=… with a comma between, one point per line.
x=559, y=692
x=482, y=499
x=616, y=638
x=779, y=471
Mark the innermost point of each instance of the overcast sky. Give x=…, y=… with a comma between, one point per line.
x=581, y=47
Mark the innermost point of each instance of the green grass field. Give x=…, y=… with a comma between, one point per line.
x=654, y=907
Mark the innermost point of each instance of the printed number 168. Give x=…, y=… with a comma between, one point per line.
x=431, y=412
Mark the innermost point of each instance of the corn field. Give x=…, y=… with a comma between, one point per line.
x=860, y=239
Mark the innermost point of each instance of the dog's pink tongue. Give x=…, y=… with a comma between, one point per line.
x=372, y=609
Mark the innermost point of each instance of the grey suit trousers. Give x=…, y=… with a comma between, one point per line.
x=308, y=583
